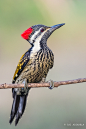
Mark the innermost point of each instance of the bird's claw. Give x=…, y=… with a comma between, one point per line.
x=51, y=82
x=24, y=90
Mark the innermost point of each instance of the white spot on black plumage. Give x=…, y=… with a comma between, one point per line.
x=16, y=75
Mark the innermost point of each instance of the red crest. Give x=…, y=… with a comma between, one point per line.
x=27, y=33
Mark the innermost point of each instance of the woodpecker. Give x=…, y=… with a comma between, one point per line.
x=32, y=67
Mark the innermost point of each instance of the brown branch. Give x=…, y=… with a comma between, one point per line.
x=34, y=85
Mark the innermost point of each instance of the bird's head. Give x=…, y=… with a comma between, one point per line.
x=39, y=33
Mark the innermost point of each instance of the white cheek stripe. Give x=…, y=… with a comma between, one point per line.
x=36, y=46
x=34, y=35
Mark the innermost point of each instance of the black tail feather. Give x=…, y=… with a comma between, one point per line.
x=15, y=105
x=18, y=106
x=21, y=108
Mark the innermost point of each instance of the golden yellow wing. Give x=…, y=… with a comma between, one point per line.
x=21, y=65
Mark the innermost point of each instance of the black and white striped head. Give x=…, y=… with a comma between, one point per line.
x=39, y=33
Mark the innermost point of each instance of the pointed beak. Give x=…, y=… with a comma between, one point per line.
x=53, y=28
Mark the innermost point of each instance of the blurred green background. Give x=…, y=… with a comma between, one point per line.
x=61, y=107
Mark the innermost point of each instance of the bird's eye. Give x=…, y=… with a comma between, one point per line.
x=42, y=30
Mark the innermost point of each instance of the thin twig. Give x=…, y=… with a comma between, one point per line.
x=34, y=85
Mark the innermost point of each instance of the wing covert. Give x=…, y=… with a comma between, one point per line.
x=21, y=65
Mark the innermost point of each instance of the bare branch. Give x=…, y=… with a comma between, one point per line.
x=34, y=85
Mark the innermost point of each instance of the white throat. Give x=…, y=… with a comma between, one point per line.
x=36, y=46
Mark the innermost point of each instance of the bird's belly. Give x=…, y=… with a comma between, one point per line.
x=34, y=73
x=37, y=75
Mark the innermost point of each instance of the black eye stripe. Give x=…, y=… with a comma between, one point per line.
x=36, y=36
x=33, y=40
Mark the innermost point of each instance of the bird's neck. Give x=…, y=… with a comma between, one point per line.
x=43, y=44
x=39, y=45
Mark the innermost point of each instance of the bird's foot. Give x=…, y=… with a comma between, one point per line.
x=23, y=91
x=43, y=80
x=51, y=82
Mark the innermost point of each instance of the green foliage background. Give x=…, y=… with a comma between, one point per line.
x=61, y=106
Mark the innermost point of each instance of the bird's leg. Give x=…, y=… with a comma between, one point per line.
x=24, y=90
x=51, y=82
x=43, y=80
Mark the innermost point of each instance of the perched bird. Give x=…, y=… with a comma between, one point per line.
x=32, y=67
